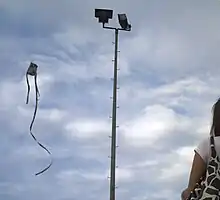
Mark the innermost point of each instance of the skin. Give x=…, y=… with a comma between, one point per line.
x=197, y=171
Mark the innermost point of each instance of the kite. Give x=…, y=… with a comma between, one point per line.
x=32, y=71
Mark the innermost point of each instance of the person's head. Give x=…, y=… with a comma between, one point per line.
x=216, y=118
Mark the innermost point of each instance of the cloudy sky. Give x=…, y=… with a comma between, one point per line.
x=168, y=79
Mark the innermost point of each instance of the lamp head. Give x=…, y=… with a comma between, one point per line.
x=103, y=15
x=123, y=21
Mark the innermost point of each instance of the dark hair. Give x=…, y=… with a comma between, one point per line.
x=216, y=118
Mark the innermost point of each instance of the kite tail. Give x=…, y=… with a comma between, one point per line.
x=28, y=86
x=33, y=119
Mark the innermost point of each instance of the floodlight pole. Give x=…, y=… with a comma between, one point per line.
x=114, y=113
x=114, y=116
x=114, y=119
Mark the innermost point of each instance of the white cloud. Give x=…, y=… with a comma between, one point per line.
x=87, y=128
x=70, y=175
x=72, y=38
x=123, y=175
x=29, y=152
x=13, y=93
x=186, y=153
x=165, y=49
x=143, y=164
x=163, y=194
x=179, y=164
x=155, y=122
x=176, y=92
x=53, y=115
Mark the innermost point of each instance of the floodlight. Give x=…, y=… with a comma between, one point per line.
x=103, y=15
x=123, y=21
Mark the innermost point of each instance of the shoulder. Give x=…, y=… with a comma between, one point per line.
x=204, y=142
x=203, y=148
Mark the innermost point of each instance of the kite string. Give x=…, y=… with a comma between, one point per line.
x=33, y=119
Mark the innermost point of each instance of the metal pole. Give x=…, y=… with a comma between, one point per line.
x=114, y=112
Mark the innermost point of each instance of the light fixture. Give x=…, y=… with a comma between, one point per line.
x=103, y=15
x=123, y=21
